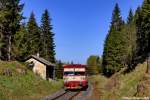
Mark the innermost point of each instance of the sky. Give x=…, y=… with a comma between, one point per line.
x=80, y=26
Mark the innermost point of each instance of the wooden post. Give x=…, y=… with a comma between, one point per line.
x=148, y=64
x=54, y=73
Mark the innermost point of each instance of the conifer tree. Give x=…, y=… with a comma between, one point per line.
x=146, y=26
x=33, y=36
x=117, y=21
x=47, y=38
x=10, y=17
x=130, y=33
x=20, y=48
x=142, y=19
x=130, y=17
x=114, y=47
x=140, y=42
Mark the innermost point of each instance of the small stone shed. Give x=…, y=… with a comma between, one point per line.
x=41, y=67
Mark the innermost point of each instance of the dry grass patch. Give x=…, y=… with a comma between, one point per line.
x=119, y=85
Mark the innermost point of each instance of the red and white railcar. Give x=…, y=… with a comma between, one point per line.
x=75, y=76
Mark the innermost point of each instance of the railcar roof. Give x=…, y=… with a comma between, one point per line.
x=74, y=66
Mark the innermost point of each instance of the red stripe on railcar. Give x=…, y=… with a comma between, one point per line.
x=75, y=66
x=76, y=84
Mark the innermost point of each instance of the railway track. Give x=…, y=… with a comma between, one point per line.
x=66, y=95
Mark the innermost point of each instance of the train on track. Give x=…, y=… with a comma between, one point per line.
x=75, y=76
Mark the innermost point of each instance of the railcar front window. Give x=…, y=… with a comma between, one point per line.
x=68, y=73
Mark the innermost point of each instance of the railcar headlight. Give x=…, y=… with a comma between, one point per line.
x=65, y=81
x=65, y=78
x=83, y=78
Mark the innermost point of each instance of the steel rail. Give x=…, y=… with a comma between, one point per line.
x=68, y=95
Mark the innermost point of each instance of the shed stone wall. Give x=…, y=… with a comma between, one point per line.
x=38, y=68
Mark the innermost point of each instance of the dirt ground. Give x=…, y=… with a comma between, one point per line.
x=95, y=94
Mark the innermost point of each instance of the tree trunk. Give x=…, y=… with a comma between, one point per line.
x=0, y=54
x=0, y=51
x=54, y=72
x=9, y=48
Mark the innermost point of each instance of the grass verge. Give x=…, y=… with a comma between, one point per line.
x=22, y=84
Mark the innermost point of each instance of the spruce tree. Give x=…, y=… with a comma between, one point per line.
x=10, y=17
x=33, y=36
x=20, y=48
x=146, y=26
x=140, y=42
x=130, y=17
x=117, y=21
x=114, y=47
x=129, y=31
x=47, y=38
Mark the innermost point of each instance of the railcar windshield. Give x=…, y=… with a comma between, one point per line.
x=79, y=73
x=74, y=73
x=68, y=73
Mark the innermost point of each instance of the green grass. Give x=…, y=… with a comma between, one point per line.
x=126, y=84
x=24, y=86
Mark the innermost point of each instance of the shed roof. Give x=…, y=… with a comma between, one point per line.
x=42, y=60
